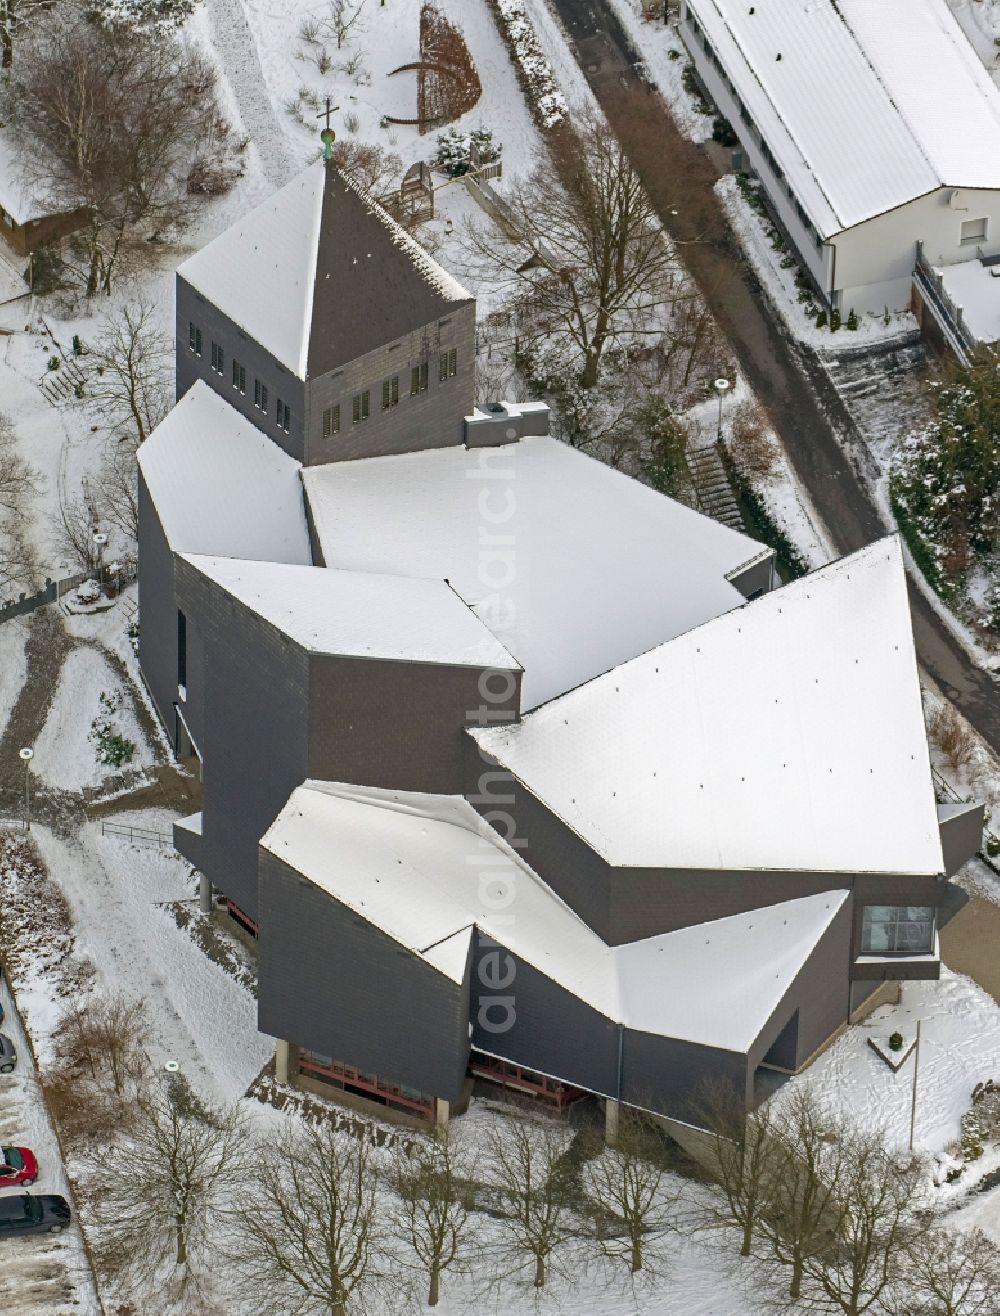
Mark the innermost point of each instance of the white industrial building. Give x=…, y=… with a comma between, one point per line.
x=873, y=126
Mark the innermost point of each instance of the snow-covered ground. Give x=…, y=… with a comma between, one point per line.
x=959, y=1047
x=753, y=230
x=45, y=1273
x=66, y=755
x=13, y=665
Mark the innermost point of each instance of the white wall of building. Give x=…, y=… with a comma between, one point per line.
x=875, y=259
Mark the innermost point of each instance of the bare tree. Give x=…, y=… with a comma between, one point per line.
x=529, y=1173
x=106, y=1038
x=160, y=1192
x=433, y=1180
x=344, y=17
x=601, y=272
x=858, y=1271
x=16, y=19
x=952, y=1273
x=744, y=1158
x=370, y=166
x=112, y=121
x=628, y=1201
x=19, y=484
x=311, y=1225
x=73, y=536
x=802, y=1210
x=952, y=735
x=130, y=372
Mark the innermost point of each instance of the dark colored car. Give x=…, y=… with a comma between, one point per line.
x=17, y=1166
x=8, y=1054
x=30, y=1213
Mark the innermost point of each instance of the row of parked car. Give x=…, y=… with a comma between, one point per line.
x=27, y=1213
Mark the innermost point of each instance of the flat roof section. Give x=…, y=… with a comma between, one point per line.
x=357, y=614
x=574, y=567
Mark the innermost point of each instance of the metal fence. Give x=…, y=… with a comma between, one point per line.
x=138, y=835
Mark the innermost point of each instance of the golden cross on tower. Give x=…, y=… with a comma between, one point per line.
x=327, y=136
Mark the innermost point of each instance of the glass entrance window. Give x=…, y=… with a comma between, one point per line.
x=897, y=930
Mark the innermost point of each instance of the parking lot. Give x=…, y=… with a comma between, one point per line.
x=47, y=1273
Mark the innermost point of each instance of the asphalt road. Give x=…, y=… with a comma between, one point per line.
x=814, y=426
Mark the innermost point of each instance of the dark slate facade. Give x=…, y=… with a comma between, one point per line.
x=332, y=983
x=193, y=311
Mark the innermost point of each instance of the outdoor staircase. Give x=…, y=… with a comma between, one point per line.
x=711, y=484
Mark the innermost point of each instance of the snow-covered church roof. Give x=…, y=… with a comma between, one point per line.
x=320, y=274
x=785, y=735
x=865, y=104
x=426, y=870
x=354, y=613
x=573, y=566
x=221, y=487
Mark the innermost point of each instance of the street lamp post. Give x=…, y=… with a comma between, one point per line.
x=721, y=388
x=100, y=539
x=26, y=755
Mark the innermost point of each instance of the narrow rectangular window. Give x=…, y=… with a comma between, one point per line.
x=239, y=377
x=284, y=416
x=443, y=367
x=182, y=675
x=217, y=359
x=453, y=363
x=194, y=338
x=362, y=406
x=390, y=392
x=331, y=421
x=418, y=379
x=260, y=396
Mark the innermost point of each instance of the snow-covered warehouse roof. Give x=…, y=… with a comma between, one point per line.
x=787, y=735
x=573, y=566
x=865, y=104
x=320, y=274
x=426, y=869
x=221, y=487
x=396, y=618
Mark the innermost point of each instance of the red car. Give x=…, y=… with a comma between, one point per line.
x=18, y=1167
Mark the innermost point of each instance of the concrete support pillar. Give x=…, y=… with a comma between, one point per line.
x=282, y=1061
x=442, y=1111
x=611, y=1112
x=205, y=894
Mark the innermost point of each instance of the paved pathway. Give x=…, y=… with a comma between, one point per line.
x=817, y=432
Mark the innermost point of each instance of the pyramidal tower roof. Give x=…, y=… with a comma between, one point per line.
x=320, y=274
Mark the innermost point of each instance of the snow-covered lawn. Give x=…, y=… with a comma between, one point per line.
x=201, y=1017
x=959, y=1047
x=13, y=665
x=66, y=753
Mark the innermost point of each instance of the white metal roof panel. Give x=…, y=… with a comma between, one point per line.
x=785, y=736
x=871, y=104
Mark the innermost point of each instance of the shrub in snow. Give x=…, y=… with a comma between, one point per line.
x=896, y=1042
x=113, y=749
x=821, y=320
x=852, y=319
x=835, y=320
x=529, y=57
x=455, y=150
x=148, y=14
x=946, y=479
x=88, y=593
